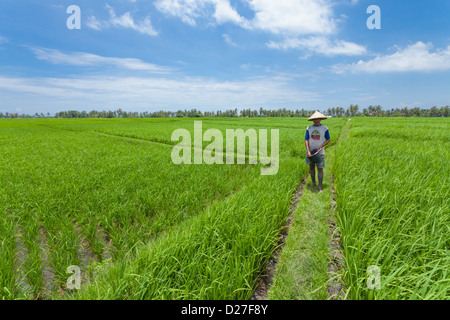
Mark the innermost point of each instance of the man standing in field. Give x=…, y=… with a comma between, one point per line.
x=317, y=137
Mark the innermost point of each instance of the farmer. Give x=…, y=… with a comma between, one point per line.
x=317, y=137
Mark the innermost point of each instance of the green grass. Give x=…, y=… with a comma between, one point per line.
x=52, y=179
x=216, y=255
x=302, y=268
x=8, y=284
x=64, y=181
x=156, y=230
x=392, y=189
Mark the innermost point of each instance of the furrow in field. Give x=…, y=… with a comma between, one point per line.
x=48, y=273
x=172, y=144
x=21, y=255
x=85, y=255
x=336, y=286
x=265, y=281
x=108, y=247
x=148, y=140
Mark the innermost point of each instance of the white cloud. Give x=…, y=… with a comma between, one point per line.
x=292, y=20
x=320, y=45
x=417, y=57
x=94, y=23
x=3, y=40
x=228, y=40
x=124, y=21
x=89, y=59
x=187, y=10
x=127, y=21
x=293, y=17
x=190, y=10
x=296, y=17
x=142, y=93
x=225, y=13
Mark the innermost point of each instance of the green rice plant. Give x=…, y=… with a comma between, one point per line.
x=64, y=246
x=33, y=264
x=216, y=255
x=393, y=210
x=89, y=227
x=9, y=288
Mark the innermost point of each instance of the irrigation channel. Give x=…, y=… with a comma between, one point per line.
x=311, y=198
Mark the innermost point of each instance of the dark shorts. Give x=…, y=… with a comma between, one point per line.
x=321, y=164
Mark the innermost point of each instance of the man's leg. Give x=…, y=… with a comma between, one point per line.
x=312, y=172
x=320, y=176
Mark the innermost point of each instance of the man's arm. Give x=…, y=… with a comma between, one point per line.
x=323, y=145
x=307, y=148
x=308, y=152
x=328, y=139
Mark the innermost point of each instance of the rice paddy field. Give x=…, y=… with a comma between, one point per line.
x=393, y=204
x=104, y=195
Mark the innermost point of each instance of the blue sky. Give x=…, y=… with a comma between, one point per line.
x=148, y=55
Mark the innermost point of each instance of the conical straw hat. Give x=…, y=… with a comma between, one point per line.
x=317, y=115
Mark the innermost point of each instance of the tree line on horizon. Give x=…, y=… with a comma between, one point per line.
x=352, y=111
